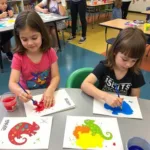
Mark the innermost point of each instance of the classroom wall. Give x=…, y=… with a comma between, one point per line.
x=139, y=5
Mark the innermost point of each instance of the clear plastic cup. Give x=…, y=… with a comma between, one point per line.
x=137, y=143
x=9, y=101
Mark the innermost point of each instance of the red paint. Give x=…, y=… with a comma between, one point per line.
x=114, y=144
x=52, y=104
x=40, y=107
x=20, y=129
x=10, y=103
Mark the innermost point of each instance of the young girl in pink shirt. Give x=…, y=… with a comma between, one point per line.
x=34, y=63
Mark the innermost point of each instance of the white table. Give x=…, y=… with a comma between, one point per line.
x=84, y=105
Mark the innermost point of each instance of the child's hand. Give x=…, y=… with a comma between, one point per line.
x=45, y=11
x=48, y=98
x=24, y=97
x=10, y=13
x=113, y=101
x=4, y=14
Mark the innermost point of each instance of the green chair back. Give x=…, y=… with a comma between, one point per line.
x=77, y=77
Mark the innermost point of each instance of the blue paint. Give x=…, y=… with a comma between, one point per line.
x=2, y=25
x=135, y=148
x=126, y=109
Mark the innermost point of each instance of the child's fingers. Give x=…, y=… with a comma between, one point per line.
x=47, y=102
x=53, y=102
x=23, y=98
x=29, y=94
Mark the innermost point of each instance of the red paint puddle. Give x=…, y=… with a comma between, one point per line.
x=114, y=144
x=40, y=107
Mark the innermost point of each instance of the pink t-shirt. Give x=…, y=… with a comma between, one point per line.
x=34, y=75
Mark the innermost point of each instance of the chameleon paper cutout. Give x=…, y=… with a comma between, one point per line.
x=22, y=128
x=126, y=109
x=95, y=129
x=90, y=135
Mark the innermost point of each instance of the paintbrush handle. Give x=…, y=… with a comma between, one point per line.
x=117, y=91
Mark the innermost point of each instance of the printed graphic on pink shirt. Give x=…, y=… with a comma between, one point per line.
x=39, y=80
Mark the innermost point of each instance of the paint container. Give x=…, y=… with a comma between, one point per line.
x=137, y=143
x=9, y=101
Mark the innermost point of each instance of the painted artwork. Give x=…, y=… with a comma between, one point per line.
x=92, y=133
x=62, y=102
x=6, y=22
x=47, y=17
x=130, y=108
x=25, y=133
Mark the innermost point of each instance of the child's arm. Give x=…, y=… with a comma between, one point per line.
x=39, y=8
x=89, y=88
x=3, y=15
x=62, y=9
x=135, y=92
x=15, y=88
x=49, y=93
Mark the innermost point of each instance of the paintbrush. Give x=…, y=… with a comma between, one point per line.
x=117, y=92
x=34, y=102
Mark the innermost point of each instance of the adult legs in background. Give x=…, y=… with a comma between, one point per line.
x=74, y=14
x=125, y=7
x=82, y=14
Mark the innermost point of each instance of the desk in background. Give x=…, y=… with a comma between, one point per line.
x=96, y=8
x=119, y=24
x=84, y=105
x=146, y=12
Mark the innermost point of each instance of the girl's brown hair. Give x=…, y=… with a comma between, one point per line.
x=118, y=3
x=34, y=21
x=132, y=43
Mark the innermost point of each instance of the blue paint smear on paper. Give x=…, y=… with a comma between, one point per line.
x=2, y=25
x=126, y=109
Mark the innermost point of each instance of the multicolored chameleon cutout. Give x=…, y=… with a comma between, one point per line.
x=90, y=135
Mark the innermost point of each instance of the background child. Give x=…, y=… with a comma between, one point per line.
x=5, y=47
x=53, y=6
x=117, y=13
x=34, y=63
x=120, y=69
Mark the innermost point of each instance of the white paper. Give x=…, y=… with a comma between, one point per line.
x=6, y=22
x=62, y=102
x=47, y=17
x=98, y=108
x=36, y=131
x=103, y=127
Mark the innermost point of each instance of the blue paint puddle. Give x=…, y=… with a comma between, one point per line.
x=126, y=109
x=135, y=148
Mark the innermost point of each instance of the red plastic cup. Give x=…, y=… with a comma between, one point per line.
x=9, y=101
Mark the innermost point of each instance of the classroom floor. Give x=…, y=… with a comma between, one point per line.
x=88, y=54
